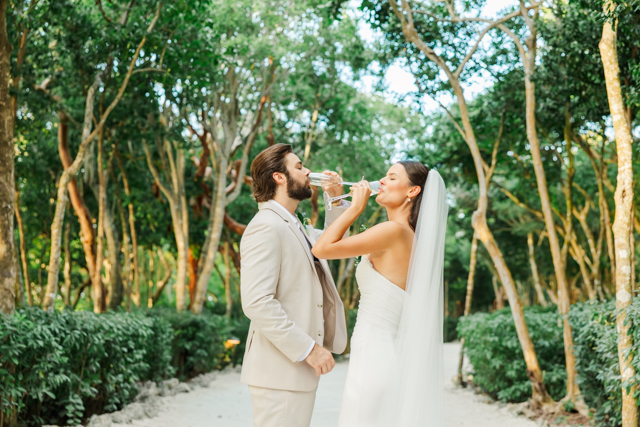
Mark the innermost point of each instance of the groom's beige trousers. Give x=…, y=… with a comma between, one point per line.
x=281, y=408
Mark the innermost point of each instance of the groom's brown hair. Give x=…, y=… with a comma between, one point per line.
x=268, y=162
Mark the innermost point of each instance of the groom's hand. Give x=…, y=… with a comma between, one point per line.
x=321, y=360
x=333, y=190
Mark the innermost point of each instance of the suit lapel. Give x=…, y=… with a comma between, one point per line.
x=303, y=242
x=294, y=229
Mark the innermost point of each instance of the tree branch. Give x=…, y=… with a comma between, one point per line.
x=517, y=201
x=104, y=15
x=154, y=172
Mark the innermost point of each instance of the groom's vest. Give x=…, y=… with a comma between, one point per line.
x=288, y=302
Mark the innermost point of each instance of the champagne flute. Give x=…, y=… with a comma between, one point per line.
x=320, y=179
x=328, y=200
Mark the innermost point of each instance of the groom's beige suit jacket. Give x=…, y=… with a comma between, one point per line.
x=287, y=302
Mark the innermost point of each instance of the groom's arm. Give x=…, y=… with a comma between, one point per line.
x=260, y=264
x=330, y=217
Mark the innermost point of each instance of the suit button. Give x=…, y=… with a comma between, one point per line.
x=319, y=333
x=319, y=305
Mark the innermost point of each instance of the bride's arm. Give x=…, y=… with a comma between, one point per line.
x=332, y=245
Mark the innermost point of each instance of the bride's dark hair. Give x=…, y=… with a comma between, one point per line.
x=418, y=174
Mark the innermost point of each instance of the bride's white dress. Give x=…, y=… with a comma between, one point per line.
x=373, y=347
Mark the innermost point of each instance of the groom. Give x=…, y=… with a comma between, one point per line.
x=297, y=317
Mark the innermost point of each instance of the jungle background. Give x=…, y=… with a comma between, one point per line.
x=130, y=126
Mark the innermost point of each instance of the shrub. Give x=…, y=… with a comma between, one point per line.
x=197, y=344
x=494, y=350
x=239, y=330
x=596, y=351
x=63, y=367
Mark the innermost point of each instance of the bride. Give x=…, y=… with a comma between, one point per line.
x=395, y=369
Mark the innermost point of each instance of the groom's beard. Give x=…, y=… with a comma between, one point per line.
x=298, y=191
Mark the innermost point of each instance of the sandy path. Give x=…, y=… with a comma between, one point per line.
x=226, y=403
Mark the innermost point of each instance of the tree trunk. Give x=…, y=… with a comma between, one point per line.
x=99, y=300
x=227, y=280
x=222, y=196
x=467, y=301
x=446, y=298
x=564, y=292
x=193, y=275
x=19, y=285
x=534, y=271
x=115, y=293
x=175, y=195
x=23, y=251
x=165, y=279
x=578, y=255
x=77, y=201
x=622, y=222
x=498, y=293
x=126, y=250
x=153, y=277
x=540, y=396
x=315, y=211
x=183, y=259
x=134, y=286
x=216, y=220
x=7, y=178
x=67, y=265
x=632, y=242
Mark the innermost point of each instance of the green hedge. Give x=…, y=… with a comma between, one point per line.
x=60, y=368
x=596, y=351
x=198, y=341
x=494, y=351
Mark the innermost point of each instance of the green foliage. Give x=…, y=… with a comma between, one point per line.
x=450, y=328
x=197, y=345
x=240, y=331
x=62, y=367
x=493, y=348
x=596, y=351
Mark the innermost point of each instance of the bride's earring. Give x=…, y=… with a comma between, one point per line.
x=409, y=199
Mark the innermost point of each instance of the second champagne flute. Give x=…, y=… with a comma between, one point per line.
x=328, y=200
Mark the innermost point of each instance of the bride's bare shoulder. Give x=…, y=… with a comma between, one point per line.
x=393, y=227
x=386, y=227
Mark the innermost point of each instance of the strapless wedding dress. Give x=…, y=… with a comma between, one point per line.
x=372, y=347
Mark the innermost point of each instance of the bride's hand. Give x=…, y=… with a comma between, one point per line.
x=360, y=194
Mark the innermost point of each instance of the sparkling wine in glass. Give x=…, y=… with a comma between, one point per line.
x=319, y=179
x=328, y=200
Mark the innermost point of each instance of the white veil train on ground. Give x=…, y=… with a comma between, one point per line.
x=415, y=397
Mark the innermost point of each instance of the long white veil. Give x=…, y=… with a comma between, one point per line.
x=415, y=395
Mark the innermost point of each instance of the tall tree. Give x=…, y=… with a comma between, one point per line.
x=87, y=136
x=623, y=214
x=406, y=13
x=173, y=188
x=527, y=51
x=7, y=180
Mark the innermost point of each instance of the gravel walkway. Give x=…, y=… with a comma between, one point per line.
x=226, y=403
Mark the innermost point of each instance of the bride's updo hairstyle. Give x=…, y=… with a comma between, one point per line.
x=418, y=174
